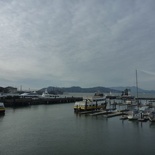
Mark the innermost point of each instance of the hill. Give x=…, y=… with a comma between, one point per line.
x=77, y=89
x=89, y=90
x=133, y=89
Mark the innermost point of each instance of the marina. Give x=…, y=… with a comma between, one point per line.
x=127, y=107
x=131, y=112
x=98, y=104
x=53, y=124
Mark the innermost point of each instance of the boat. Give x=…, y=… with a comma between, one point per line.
x=29, y=95
x=45, y=94
x=152, y=116
x=142, y=118
x=134, y=115
x=98, y=101
x=123, y=117
x=2, y=108
x=126, y=95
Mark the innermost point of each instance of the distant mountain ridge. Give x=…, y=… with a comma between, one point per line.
x=77, y=89
x=133, y=89
x=89, y=90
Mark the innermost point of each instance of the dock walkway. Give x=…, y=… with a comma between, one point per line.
x=108, y=113
x=114, y=114
x=101, y=113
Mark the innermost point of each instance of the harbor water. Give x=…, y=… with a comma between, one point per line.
x=56, y=130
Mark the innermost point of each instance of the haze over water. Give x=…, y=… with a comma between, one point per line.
x=57, y=130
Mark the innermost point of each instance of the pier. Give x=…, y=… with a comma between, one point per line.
x=101, y=113
x=17, y=102
x=106, y=113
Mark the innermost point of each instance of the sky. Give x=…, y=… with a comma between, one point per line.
x=86, y=43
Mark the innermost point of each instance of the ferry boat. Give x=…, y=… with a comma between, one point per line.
x=98, y=101
x=2, y=108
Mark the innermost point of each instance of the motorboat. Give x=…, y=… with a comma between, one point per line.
x=45, y=94
x=123, y=117
x=98, y=101
x=152, y=116
x=134, y=115
x=2, y=108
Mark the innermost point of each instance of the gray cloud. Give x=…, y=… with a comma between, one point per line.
x=86, y=43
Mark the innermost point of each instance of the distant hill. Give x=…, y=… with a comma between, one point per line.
x=89, y=90
x=51, y=90
x=133, y=89
x=77, y=89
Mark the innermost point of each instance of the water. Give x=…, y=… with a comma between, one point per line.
x=57, y=130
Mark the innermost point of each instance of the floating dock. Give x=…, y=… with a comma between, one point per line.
x=101, y=113
x=114, y=114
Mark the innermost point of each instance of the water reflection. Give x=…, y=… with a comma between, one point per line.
x=2, y=115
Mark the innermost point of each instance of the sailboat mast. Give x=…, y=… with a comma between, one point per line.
x=137, y=83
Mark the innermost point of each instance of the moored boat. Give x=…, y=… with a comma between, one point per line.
x=45, y=94
x=98, y=101
x=152, y=116
x=123, y=117
x=134, y=115
x=126, y=95
x=142, y=119
x=2, y=108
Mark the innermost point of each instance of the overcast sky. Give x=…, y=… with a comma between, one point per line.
x=82, y=43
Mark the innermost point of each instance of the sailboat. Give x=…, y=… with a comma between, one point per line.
x=135, y=114
x=137, y=86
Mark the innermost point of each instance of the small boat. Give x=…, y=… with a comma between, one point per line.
x=2, y=108
x=98, y=101
x=123, y=117
x=152, y=116
x=134, y=115
x=142, y=117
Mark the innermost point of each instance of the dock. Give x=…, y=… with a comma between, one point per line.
x=114, y=114
x=101, y=113
x=89, y=112
x=17, y=102
x=108, y=113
